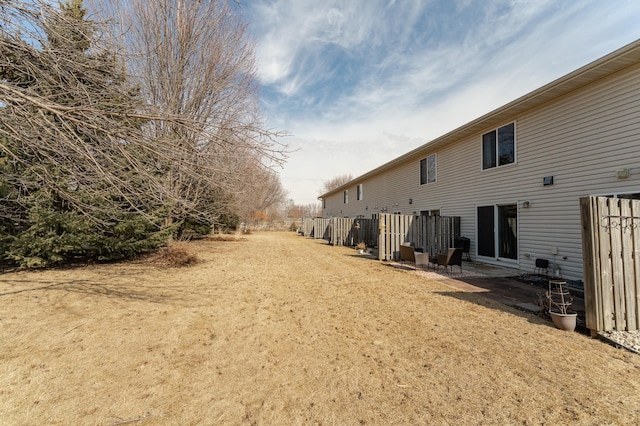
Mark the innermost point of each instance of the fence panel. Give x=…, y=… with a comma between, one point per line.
x=432, y=234
x=342, y=231
x=611, y=251
x=369, y=231
x=307, y=227
x=321, y=229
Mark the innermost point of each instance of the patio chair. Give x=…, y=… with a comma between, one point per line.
x=409, y=254
x=453, y=257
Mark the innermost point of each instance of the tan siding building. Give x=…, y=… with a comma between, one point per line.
x=515, y=175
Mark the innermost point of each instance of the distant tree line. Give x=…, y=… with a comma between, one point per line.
x=119, y=134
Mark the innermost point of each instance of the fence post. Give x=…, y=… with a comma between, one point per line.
x=591, y=263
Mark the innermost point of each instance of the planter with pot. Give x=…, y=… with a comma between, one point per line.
x=560, y=301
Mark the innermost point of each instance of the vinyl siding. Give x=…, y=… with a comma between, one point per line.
x=580, y=139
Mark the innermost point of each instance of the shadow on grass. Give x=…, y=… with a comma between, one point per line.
x=487, y=300
x=131, y=291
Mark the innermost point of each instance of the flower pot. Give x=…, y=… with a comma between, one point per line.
x=562, y=321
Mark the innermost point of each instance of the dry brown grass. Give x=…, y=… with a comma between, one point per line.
x=281, y=329
x=176, y=254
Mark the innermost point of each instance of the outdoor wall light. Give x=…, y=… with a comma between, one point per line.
x=410, y=200
x=526, y=204
x=623, y=173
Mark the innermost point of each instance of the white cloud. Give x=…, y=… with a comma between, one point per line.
x=359, y=83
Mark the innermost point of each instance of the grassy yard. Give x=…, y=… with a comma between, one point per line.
x=280, y=329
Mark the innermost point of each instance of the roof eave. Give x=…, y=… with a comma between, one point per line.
x=616, y=61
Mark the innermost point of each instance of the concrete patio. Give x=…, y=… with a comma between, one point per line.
x=494, y=282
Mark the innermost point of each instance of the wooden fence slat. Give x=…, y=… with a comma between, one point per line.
x=628, y=290
x=387, y=243
x=599, y=233
x=617, y=269
x=381, y=237
x=606, y=272
x=635, y=236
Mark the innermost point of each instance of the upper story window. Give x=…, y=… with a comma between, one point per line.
x=499, y=147
x=428, y=169
x=345, y=196
x=359, y=192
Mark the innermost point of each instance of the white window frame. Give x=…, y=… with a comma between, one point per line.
x=497, y=147
x=430, y=174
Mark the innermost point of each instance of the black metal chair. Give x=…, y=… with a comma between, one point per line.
x=453, y=257
x=541, y=265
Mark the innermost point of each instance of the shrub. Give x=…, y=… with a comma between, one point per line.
x=177, y=254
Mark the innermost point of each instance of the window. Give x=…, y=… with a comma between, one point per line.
x=428, y=169
x=359, y=192
x=345, y=196
x=499, y=147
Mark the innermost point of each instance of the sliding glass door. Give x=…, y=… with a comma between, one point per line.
x=498, y=231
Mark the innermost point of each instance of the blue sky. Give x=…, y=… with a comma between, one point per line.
x=358, y=83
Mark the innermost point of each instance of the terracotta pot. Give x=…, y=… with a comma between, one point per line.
x=564, y=321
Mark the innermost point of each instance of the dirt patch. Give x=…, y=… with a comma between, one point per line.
x=281, y=329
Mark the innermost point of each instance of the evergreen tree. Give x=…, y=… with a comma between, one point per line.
x=57, y=205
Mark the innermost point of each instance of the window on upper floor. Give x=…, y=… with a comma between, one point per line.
x=499, y=147
x=359, y=192
x=428, y=169
x=345, y=196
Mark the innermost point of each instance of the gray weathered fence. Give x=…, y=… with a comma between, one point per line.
x=611, y=259
x=306, y=228
x=322, y=229
x=431, y=234
x=342, y=231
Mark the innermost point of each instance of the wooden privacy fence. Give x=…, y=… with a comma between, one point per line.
x=321, y=228
x=307, y=226
x=611, y=259
x=431, y=234
x=351, y=231
x=342, y=231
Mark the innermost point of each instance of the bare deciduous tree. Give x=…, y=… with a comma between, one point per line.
x=262, y=192
x=336, y=182
x=194, y=59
